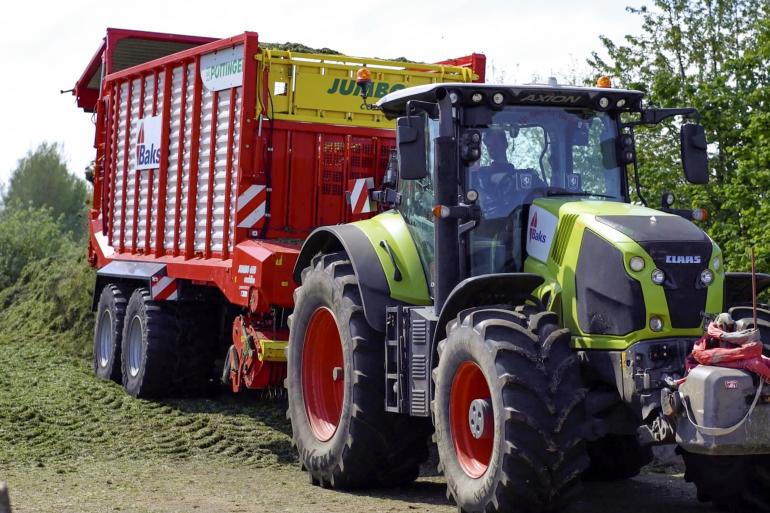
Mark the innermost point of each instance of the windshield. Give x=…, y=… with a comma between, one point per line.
x=531, y=152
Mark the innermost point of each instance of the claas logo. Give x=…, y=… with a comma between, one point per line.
x=348, y=86
x=146, y=156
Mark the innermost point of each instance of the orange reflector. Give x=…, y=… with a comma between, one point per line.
x=604, y=82
x=363, y=76
x=440, y=211
x=700, y=214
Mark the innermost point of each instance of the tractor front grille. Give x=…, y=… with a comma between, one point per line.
x=685, y=295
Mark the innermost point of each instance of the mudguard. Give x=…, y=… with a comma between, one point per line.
x=375, y=292
x=485, y=290
x=738, y=288
x=384, y=258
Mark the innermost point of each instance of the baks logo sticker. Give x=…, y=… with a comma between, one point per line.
x=542, y=226
x=148, y=143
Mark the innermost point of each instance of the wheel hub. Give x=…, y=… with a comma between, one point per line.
x=104, y=346
x=471, y=419
x=323, y=383
x=480, y=418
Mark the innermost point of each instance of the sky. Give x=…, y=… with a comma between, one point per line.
x=46, y=45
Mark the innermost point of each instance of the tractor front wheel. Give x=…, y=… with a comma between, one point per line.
x=509, y=412
x=731, y=483
x=336, y=387
x=616, y=457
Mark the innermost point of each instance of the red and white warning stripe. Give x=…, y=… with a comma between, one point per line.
x=251, y=206
x=164, y=288
x=359, y=195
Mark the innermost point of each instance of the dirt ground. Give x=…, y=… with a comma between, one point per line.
x=70, y=443
x=168, y=485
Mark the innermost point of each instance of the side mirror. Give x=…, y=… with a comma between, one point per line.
x=412, y=147
x=694, y=154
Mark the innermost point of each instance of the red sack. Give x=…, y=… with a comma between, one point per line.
x=747, y=354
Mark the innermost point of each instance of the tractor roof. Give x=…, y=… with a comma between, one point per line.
x=394, y=104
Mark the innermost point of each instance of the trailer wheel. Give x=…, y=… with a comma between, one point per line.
x=509, y=412
x=731, y=483
x=616, y=457
x=108, y=332
x=336, y=381
x=149, y=339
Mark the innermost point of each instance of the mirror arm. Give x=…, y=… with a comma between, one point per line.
x=637, y=183
x=387, y=197
x=416, y=106
x=656, y=116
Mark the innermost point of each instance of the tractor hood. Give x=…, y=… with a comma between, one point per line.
x=588, y=246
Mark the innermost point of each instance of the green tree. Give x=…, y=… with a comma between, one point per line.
x=705, y=54
x=41, y=179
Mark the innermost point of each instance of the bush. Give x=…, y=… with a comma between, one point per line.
x=52, y=296
x=26, y=235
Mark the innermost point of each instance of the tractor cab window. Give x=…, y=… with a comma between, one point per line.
x=416, y=206
x=529, y=153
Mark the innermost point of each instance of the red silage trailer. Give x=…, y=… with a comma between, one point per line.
x=214, y=160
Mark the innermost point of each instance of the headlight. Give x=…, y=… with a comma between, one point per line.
x=656, y=323
x=706, y=277
x=636, y=263
x=658, y=276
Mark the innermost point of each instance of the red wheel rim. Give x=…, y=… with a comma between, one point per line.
x=321, y=363
x=473, y=454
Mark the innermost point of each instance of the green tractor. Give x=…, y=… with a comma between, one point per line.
x=517, y=307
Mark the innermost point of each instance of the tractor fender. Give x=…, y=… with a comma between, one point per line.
x=485, y=290
x=372, y=283
x=738, y=288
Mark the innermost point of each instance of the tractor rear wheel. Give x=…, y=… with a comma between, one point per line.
x=731, y=483
x=509, y=412
x=336, y=387
x=108, y=332
x=616, y=457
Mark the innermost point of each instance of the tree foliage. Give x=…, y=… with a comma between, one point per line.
x=712, y=55
x=42, y=180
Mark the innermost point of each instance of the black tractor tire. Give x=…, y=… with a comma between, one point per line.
x=369, y=446
x=615, y=457
x=150, y=333
x=731, y=483
x=537, y=451
x=108, y=332
x=200, y=332
x=175, y=348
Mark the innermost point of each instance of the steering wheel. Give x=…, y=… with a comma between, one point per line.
x=507, y=185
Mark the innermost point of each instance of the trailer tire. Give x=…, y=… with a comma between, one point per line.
x=150, y=333
x=731, y=483
x=343, y=434
x=108, y=332
x=516, y=373
x=616, y=457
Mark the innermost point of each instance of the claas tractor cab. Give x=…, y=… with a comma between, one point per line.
x=514, y=303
